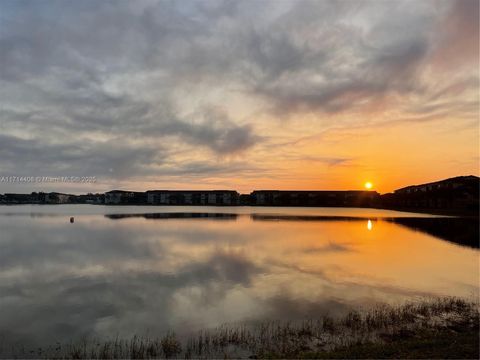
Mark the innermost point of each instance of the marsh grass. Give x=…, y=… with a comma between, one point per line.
x=381, y=327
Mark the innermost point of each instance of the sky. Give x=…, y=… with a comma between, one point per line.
x=240, y=95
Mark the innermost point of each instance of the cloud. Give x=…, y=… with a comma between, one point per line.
x=153, y=80
x=118, y=157
x=330, y=247
x=457, y=40
x=347, y=68
x=212, y=128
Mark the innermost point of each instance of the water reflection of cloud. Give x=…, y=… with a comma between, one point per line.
x=289, y=307
x=72, y=307
x=330, y=247
x=79, y=245
x=103, y=277
x=289, y=266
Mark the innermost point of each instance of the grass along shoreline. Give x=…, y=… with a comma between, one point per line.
x=435, y=328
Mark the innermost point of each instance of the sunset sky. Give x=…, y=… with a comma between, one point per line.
x=238, y=95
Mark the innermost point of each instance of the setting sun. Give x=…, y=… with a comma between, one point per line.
x=368, y=185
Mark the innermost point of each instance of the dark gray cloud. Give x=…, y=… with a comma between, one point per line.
x=24, y=157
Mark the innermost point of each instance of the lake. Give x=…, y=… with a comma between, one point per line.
x=124, y=270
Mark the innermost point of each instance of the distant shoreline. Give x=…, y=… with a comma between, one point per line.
x=458, y=196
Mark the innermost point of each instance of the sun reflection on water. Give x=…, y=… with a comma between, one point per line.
x=369, y=225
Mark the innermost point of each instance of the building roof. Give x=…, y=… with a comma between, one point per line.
x=449, y=180
x=123, y=192
x=318, y=191
x=191, y=191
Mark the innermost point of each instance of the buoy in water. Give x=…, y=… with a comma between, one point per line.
x=72, y=220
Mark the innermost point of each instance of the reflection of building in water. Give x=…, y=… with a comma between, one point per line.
x=463, y=231
x=179, y=215
x=314, y=198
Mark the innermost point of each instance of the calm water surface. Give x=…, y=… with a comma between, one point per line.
x=144, y=270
